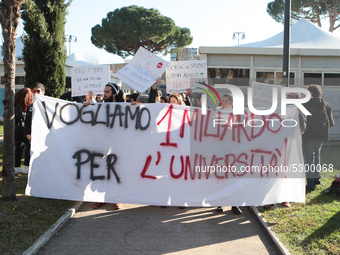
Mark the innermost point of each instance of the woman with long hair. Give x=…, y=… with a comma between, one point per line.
x=22, y=99
x=176, y=98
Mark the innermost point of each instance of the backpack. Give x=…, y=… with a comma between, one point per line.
x=335, y=188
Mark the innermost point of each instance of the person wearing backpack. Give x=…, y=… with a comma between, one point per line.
x=23, y=99
x=315, y=135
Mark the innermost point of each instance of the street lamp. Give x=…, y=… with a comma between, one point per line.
x=71, y=38
x=238, y=36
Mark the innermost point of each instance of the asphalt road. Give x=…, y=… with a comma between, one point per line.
x=140, y=229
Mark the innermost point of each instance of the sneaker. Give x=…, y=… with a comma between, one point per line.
x=18, y=170
x=286, y=204
x=317, y=181
x=25, y=170
x=97, y=205
x=236, y=210
x=219, y=209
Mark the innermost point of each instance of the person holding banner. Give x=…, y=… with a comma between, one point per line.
x=99, y=98
x=176, y=98
x=163, y=100
x=154, y=92
x=227, y=103
x=23, y=99
x=316, y=134
x=37, y=88
x=112, y=93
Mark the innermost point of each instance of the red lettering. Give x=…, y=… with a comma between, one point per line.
x=190, y=122
x=253, y=136
x=171, y=168
x=216, y=170
x=217, y=135
x=242, y=162
x=226, y=161
x=145, y=168
x=168, y=132
x=188, y=167
x=269, y=118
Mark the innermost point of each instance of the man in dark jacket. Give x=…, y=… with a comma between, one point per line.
x=316, y=133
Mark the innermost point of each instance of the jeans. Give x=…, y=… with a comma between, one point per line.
x=311, y=151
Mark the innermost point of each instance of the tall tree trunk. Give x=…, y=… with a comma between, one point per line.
x=10, y=13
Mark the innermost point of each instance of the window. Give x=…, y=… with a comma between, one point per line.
x=19, y=80
x=68, y=82
x=274, y=78
x=238, y=77
x=265, y=77
x=291, y=78
x=331, y=79
x=312, y=78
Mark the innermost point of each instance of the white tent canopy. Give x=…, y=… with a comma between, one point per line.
x=75, y=60
x=304, y=35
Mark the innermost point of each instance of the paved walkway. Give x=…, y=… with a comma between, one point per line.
x=138, y=229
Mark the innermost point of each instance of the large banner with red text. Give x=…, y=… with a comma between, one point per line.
x=162, y=154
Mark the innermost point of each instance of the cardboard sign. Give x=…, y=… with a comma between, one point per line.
x=143, y=70
x=162, y=154
x=263, y=94
x=179, y=73
x=89, y=78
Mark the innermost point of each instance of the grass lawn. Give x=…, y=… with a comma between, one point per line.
x=23, y=221
x=313, y=227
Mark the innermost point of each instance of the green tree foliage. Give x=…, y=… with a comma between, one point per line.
x=312, y=10
x=44, y=52
x=124, y=30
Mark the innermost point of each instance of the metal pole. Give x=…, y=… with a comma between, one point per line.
x=69, y=49
x=286, y=45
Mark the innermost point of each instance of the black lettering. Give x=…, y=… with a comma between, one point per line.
x=49, y=125
x=118, y=112
x=96, y=117
x=133, y=116
x=86, y=112
x=110, y=161
x=93, y=165
x=139, y=117
x=77, y=155
x=72, y=121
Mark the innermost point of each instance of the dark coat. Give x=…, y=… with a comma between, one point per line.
x=320, y=121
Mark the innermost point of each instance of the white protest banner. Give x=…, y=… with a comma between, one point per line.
x=143, y=70
x=89, y=78
x=178, y=74
x=161, y=154
x=263, y=94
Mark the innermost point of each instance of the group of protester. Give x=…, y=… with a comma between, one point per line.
x=23, y=101
x=314, y=128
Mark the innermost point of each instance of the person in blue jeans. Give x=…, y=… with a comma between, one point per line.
x=315, y=135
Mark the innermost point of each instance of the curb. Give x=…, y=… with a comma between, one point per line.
x=52, y=230
x=282, y=248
